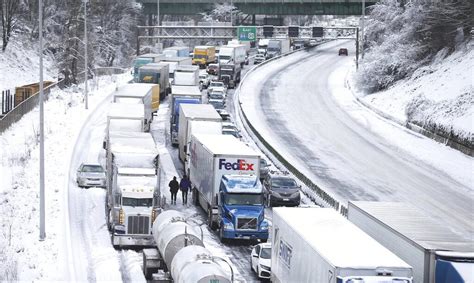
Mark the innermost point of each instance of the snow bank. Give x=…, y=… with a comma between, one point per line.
x=439, y=96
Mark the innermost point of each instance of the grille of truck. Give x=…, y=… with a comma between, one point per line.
x=138, y=224
x=247, y=223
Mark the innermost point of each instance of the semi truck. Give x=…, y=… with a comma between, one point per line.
x=224, y=173
x=181, y=95
x=146, y=94
x=143, y=60
x=186, y=75
x=436, y=253
x=204, y=55
x=173, y=62
x=277, y=47
x=193, y=112
x=130, y=112
x=133, y=194
x=230, y=74
x=156, y=73
x=199, y=127
x=180, y=251
x=262, y=46
x=320, y=245
x=233, y=54
x=176, y=51
x=246, y=44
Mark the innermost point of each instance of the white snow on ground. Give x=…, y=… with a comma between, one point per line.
x=25, y=257
x=442, y=93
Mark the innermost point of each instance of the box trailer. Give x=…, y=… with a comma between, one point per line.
x=144, y=59
x=146, y=94
x=435, y=253
x=156, y=73
x=193, y=112
x=176, y=51
x=233, y=54
x=320, y=245
x=224, y=173
x=199, y=127
x=277, y=47
x=186, y=75
x=173, y=62
x=181, y=95
x=136, y=112
x=204, y=55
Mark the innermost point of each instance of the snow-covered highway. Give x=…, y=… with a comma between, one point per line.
x=300, y=105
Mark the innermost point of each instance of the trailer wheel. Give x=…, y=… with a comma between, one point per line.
x=221, y=235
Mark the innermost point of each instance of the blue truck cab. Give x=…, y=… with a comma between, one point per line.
x=241, y=208
x=137, y=63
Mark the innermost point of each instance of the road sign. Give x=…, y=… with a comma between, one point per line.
x=318, y=32
x=293, y=31
x=267, y=31
x=247, y=33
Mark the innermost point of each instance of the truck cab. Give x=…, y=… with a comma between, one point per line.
x=241, y=208
x=229, y=74
x=134, y=204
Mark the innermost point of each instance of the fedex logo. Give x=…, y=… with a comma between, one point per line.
x=239, y=165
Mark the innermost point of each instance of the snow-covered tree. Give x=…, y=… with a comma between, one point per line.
x=8, y=16
x=221, y=13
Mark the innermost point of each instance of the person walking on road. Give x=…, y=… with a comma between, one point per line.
x=185, y=186
x=174, y=188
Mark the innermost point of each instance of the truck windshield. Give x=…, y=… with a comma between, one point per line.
x=224, y=57
x=92, y=168
x=226, y=72
x=199, y=56
x=147, y=202
x=243, y=199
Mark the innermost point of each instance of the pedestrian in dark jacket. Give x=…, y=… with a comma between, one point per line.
x=185, y=186
x=174, y=188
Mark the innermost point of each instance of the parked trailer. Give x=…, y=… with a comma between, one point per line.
x=186, y=75
x=180, y=250
x=199, y=127
x=436, y=254
x=181, y=95
x=133, y=192
x=26, y=91
x=320, y=245
x=156, y=73
x=193, y=112
x=224, y=173
x=146, y=94
x=176, y=51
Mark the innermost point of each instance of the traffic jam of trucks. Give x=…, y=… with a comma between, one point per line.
x=236, y=193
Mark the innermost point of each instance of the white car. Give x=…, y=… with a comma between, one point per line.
x=204, y=80
x=216, y=85
x=90, y=175
x=260, y=260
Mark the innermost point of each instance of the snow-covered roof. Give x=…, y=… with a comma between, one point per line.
x=187, y=68
x=127, y=111
x=242, y=184
x=138, y=90
x=336, y=239
x=125, y=125
x=131, y=142
x=136, y=171
x=200, y=111
x=190, y=90
x=175, y=59
x=154, y=66
x=225, y=145
x=410, y=222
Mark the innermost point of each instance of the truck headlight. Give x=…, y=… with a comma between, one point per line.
x=264, y=226
x=264, y=267
x=228, y=226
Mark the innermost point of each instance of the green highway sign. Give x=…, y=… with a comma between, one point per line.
x=247, y=33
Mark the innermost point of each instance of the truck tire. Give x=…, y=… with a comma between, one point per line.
x=211, y=223
x=221, y=235
x=195, y=197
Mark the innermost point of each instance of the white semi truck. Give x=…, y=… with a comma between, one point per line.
x=193, y=112
x=436, y=253
x=233, y=54
x=139, y=93
x=199, y=127
x=277, y=47
x=224, y=173
x=133, y=194
x=320, y=245
x=185, y=75
x=125, y=117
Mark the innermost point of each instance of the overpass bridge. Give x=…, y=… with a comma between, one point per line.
x=259, y=7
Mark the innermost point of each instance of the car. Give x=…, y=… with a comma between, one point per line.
x=213, y=69
x=232, y=132
x=264, y=168
x=259, y=58
x=216, y=85
x=312, y=42
x=204, y=80
x=229, y=125
x=219, y=105
x=281, y=189
x=261, y=261
x=343, y=51
x=90, y=175
x=217, y=94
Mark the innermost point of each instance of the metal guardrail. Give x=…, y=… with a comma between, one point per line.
x=30, y=103
x=323, y=195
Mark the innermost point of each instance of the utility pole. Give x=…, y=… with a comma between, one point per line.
x=362, y=24
x=86, y=59
x=231, y=12
x=42, y=235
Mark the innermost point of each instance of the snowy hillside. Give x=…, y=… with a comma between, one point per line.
x=438, y=96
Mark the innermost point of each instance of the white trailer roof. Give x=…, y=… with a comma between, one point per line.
x=225, y=145
x=132, y=142
x=200, y=111
x=138, y=90
x=175, y=59
x=414, y=225
x=136, y=171
x=126, y=111
x=153, y=66
x=336, y=239
x=186, y=90
x=187, y=68
x=125, y=125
